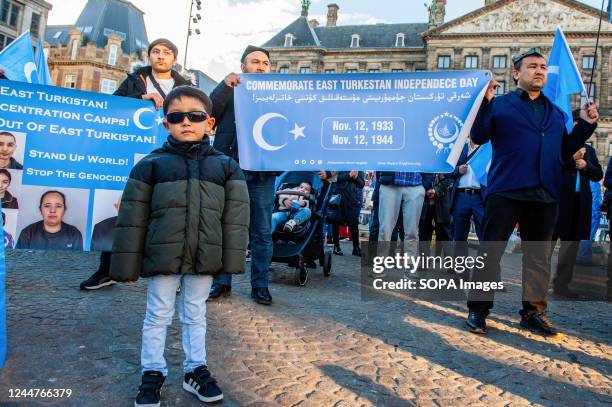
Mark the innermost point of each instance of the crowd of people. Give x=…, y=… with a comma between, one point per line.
x=189, y=213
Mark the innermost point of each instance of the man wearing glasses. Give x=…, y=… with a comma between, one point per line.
x=153, y=83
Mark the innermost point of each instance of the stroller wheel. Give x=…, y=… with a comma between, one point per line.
x=327, y=263
x=301, y=276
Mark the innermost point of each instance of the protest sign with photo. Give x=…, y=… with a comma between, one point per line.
x=66, y=156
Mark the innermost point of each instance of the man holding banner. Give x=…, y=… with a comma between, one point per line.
x=260, y=183
x=530, y=143
x=148, y=83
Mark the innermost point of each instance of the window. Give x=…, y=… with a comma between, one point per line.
x=5, y=40
x=289, y=40
x=502, y=88
x=500, y=62
x=9, y=12
x=355, y=41
x=75, y=48
x=610, y=149
x=305, y=69
x=330, y=71
x=35, y=24
x=588, y=62
x=444, y=62
x=108, y=86
x=471, y=62
x=400, y=40
x=283, y=69
x=592, y=94
x=374, y=70
x=57, y=35
x=397, y=70
x=70, y=81
x=351, y=70
x=112, y=55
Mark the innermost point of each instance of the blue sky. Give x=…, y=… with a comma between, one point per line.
x=229, y=25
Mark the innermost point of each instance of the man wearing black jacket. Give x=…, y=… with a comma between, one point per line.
x=608, y=208
x=575, y=207
x=260, y=184
x=151, y=82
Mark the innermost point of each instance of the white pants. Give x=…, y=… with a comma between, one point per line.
x=392, y=198
x=161, y=294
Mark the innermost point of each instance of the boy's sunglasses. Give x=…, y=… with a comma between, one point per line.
x=178, y=117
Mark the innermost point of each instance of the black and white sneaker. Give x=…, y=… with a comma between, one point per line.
x=97, y=280
x=202, y=385
x=149, y=391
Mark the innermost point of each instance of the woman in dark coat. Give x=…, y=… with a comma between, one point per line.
x=349, y=186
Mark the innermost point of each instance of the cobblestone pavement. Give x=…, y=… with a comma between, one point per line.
x=318, y=345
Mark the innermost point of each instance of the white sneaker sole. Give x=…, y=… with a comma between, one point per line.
x=95, y=287
x=146, y=405
x=199, y=396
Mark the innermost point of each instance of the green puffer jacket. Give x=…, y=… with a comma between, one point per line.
x=185, y=210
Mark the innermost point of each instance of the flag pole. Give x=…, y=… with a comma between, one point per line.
x=596, y=48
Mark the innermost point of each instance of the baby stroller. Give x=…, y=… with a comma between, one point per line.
x=304, y=244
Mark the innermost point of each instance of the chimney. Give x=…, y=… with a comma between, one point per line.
x=314, y=23
x=332, y=14
x=489, y=2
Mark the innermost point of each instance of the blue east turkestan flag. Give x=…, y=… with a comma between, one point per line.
x=17, y=60
x=480, y=163
x=563, y=77
x=42, y=69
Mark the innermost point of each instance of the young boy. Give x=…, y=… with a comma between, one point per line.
x=294, y=207
x=183, y=218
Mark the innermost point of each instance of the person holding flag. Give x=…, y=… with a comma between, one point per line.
x=466, y=199
x=530, y=143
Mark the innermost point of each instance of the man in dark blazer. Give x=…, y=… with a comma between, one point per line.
x=530, y=144
x=575, y=208
x=466, y=200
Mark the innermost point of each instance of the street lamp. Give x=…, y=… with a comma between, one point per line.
x=192, y=19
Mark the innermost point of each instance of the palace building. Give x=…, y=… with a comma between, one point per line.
x=486, y=38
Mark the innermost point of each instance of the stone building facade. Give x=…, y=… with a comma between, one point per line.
x=19, y=16
x=107, y=41
x=483, y=39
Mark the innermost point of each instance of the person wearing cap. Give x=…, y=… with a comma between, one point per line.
x=530, y=145
x=254, y=60
x=153, y=83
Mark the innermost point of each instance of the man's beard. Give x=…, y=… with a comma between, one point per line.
x=161, y=70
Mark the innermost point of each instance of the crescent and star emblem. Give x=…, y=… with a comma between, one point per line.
x=258, y=127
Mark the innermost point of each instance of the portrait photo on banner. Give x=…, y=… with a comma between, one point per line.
x=12, y=149
x=104, y=216
x=10, y=188
x=9, y=222
x=52, y=218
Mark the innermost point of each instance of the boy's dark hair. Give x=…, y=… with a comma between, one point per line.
x=42, y=198
x=164, y=42
x=6, y=133
x=188, y=92
x=7, y=173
